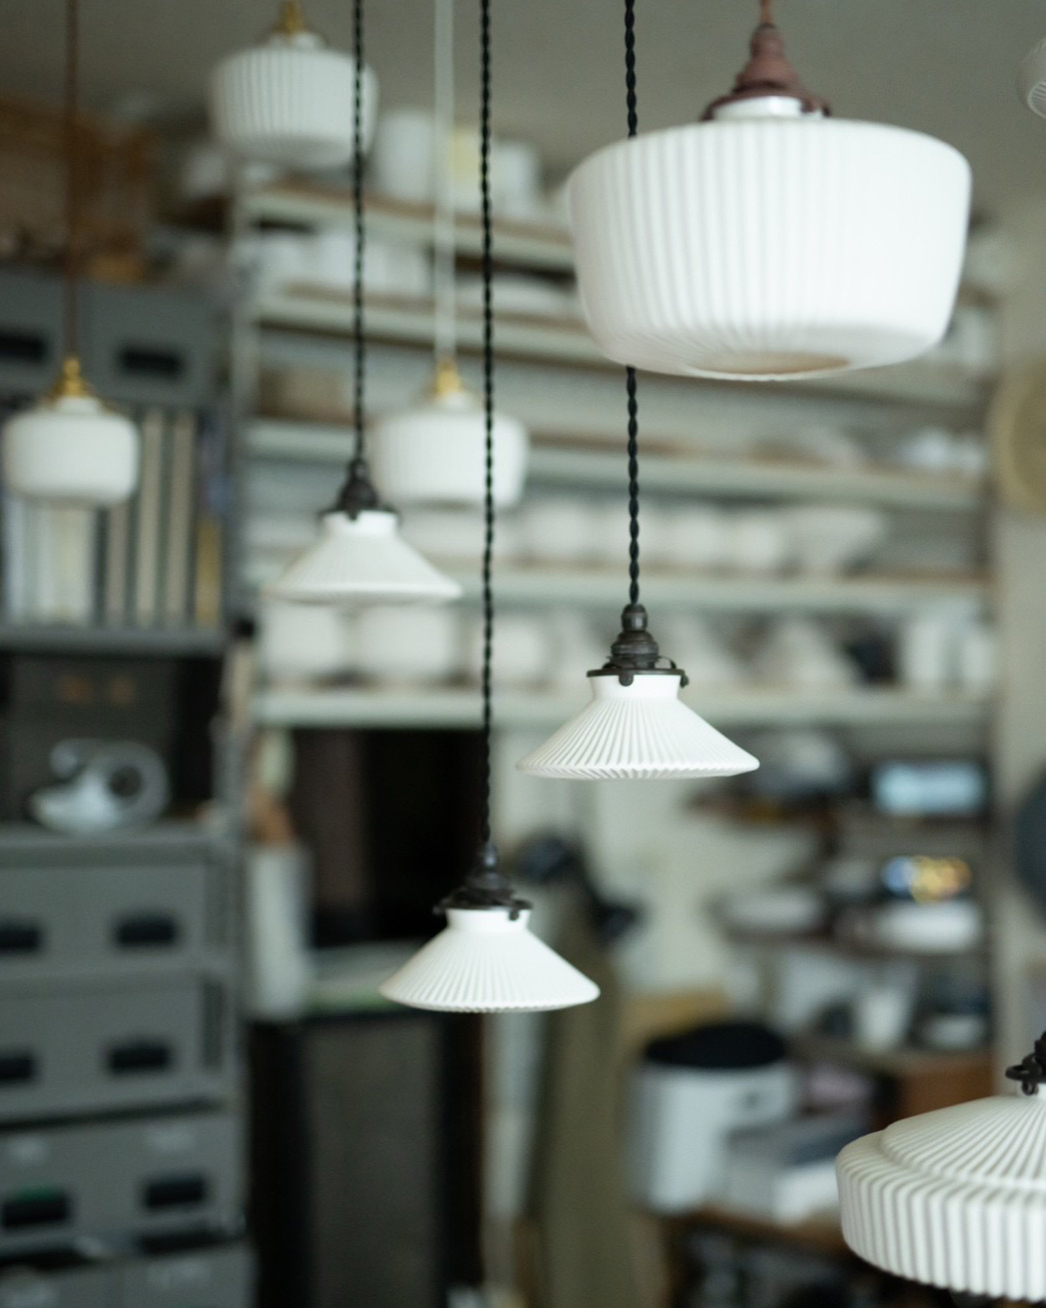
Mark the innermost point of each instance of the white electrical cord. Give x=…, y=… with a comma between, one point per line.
x=443, y=222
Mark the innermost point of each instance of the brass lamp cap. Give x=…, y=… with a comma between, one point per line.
x=447, y=380
x=291, y=21
x=70, y=384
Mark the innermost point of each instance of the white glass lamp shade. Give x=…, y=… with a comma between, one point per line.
x=433, y=453
x=71, y=449
x=290, y=101
x=1031, y=79
x=954, y=1198
x=486, y=961
x=641, y=731
x=362, y=559
x=769, y=245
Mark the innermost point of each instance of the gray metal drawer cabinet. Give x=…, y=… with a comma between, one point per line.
x=138, y=916
x=72, y=1048
x=151, y=1176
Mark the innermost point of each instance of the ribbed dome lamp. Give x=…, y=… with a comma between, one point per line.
x=290, y=99
x=635, y=725
x=485, y=960
x=360, y=555
x=70, y=448
x=770, y=240
x=956, y=1198
x=432, y=452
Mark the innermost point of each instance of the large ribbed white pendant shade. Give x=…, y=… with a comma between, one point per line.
x=362, y=559
x=485, y=960
x=642, y=731
x=289, y=100
x=771, y=241
x=432, y=453
x=70, y=448
x=954, y=1198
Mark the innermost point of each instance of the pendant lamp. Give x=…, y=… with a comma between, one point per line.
x=485, y=959
x=635, y=725
x=70, y=448
x=770, y=240
x=956, y=1198
x=360, y=555
x=290, y=100
x=432, y=452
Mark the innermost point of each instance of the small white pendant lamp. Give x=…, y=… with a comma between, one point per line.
x=432, y=452
x=956, y=1198
x=636, y=726
x=485, y=960
x=70, y=448
x=360, y=555
x=290, y=100
x=769, y=241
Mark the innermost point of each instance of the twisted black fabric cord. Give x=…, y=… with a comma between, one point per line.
x=630, y=373
x=357, y=200
x=488, y=396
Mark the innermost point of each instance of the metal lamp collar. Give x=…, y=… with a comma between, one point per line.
x=1031, y=1070
x=486, y=886
x=447, y=380
x=768, y=75
x=70, y=383
x=635, y=651
x=358, y=494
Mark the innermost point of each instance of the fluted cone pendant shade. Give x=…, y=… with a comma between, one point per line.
x=362, y=558
x=485, y=960
x=641, y=730
x=954, y=1198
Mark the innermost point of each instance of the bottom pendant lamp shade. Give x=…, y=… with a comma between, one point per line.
x=485, y=960
x=70, y=448
x=289, y=100
x=769, y=241
x=635, y=726
x=434, y=452
x=360, y=558
x=956, y=1198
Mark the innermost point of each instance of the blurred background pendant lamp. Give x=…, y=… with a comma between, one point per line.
x=432, y=452
x=770, y=240
x=70, y=448
x=635, y=725
x=290, y=100
x=956, y=1198
x=360, y=555
x=485, y=959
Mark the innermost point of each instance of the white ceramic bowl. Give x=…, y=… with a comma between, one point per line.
x=408, y=644
x=290, y=101
x=833, y=538
x=760, y=248
x=71, y=450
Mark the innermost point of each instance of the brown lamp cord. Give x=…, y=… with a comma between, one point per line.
x=766, y=13
x=72, y=208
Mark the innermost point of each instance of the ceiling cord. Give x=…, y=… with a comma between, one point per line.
x=72, y=207
x=630, y=373
x=488, y=396
x=359, y=452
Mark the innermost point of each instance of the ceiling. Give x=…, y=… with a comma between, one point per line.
x=943, y=66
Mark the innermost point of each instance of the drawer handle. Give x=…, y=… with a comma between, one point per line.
x=41, y=1208
x=139, y=1056
x=146, y=931
x=20, y=937
x=185, y=1191
x=17, y=1066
